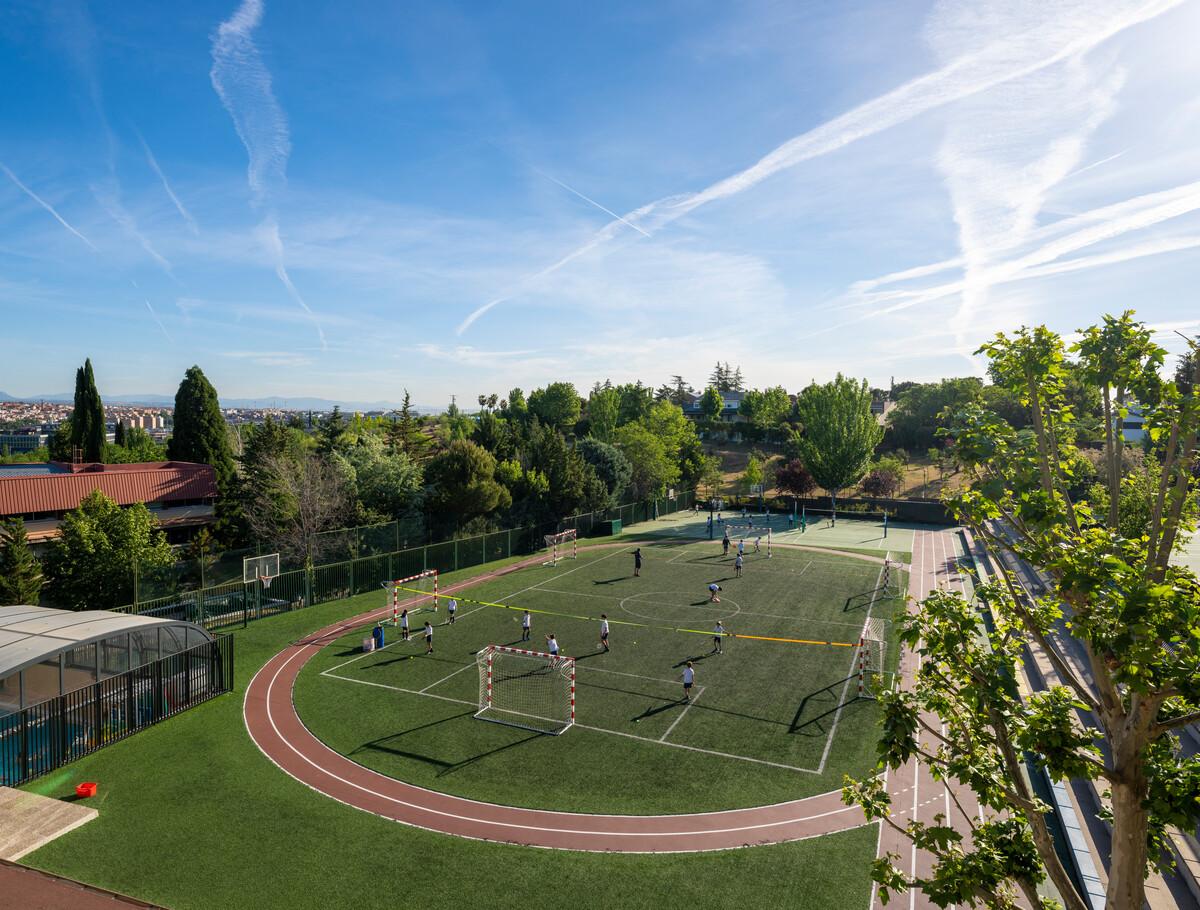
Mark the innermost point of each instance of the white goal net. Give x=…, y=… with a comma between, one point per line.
x=414, y=593
x=872, y=658
x=561, y=546
x=527, y=689
x=892, y=580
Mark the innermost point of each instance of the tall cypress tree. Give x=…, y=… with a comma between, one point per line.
x=87, y=420
x=200, y=436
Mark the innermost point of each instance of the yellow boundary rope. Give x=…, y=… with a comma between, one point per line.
x=638, y=625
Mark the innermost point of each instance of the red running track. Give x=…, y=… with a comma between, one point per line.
x=277, y=730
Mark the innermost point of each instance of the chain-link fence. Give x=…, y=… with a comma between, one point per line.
x=210, y=591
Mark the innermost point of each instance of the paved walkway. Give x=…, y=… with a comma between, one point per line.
x=29, y=889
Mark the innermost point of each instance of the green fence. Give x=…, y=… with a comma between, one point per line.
x=210, y=592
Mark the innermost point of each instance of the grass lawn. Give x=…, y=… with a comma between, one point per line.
x=768, y=720
x=192, y=815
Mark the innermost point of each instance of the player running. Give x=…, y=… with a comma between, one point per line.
x=604, y=632
x=689, y=677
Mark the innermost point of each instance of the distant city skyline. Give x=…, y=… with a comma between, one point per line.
x=460, y=199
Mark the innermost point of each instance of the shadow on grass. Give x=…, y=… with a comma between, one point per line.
x=858, y=602
x=611, y=581
x=798, y=726
x=444, y=767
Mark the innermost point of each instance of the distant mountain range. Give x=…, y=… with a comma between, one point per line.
x=292, y=404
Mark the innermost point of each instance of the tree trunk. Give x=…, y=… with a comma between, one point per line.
x=1127, y=875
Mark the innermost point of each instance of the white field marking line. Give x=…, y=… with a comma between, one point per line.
x=446, y=677
x=568, y=572
x=675, y=722
x=581, y=670
x=645, y=739
x=837, y=715
x=414, y=633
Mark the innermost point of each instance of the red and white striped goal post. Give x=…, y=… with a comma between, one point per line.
x=399, y=583
x=565, y=665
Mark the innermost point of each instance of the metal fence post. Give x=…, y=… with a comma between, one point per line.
x=455, y=554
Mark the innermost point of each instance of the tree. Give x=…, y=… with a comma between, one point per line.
x=839, y=434
x=610, y=465
x=885, y=477
x=297, y=495
x=681, y=392
x=794, y=479
x=119, y=434
x=711, y=405
x=915, y=419
x=138, y=448
x=388, y=484
x=59, y=446
x=767, y=410
x=1111, y=627
x=636, y=401
x=724, y=379
x=557, y=405
x=201, y=436
x=603, y=408
x=753, y=475
x=20, y=572
x=1184, y=371
x=87, y=418
x=651, y=465
x=709, y=477
x=515, y=408
x=93, y=563
x=462, y=484
x=568, y=474
x=331, y=431
x=405, y=433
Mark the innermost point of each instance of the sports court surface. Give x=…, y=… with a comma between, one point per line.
x=768, y=721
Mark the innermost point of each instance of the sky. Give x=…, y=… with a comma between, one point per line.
x=352, y=199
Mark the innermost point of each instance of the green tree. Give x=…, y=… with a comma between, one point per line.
x=119, y=434
x=709, y=477
x=87, y=418
x=636, y=401
x=101, y=547
x=331, y=432
x=569, y=475
x=711, y=405
x=463, y=485
x=840, y=432
x=60, y=447
x=603, y=408
x=1111, y=630
x=557, y=405
x=610, y=465
x=138, y=448
x=405, y=434
x=753, y=475
x=681, y=392
x=515, y=408
x=915, y=419
x=20, y=571
x=201, y=436
x=652, y=469
x=766, y=411
x=388, y=484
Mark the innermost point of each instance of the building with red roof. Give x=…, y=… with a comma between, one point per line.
x=179, y=494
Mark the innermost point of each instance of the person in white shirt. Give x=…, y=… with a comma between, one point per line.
x=526, y=626
x=689, y=677
x=757, y=542
x=604, y=632
x=452, y=609
x=428, y=637
x=713, y=588
x=552, y=647
x=741, y=546
x=737, y=565
x=718, y=638
x=404, y=624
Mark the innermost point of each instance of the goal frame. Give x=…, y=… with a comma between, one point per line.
x=485, y=660
x=398, y=583
x=890, y=581
x=872, y=658
x=553, y=541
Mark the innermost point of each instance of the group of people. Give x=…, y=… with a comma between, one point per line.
x=451, y=616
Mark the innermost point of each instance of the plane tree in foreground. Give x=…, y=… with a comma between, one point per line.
x=1117, y=621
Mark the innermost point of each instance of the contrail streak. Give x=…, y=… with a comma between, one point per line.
x=591, y=201
x=995, y=64
x=160, y=323
x=47, y=206
x=187, y=216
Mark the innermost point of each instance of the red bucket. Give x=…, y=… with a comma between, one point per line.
x=85, y=790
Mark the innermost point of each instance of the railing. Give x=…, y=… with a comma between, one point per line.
x=43, y=737
x=232, y=603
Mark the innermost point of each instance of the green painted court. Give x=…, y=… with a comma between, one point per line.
x=767, y=721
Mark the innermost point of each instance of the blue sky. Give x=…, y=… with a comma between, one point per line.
x=351, y=199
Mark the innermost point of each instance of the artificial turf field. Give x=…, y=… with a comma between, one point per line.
x=193, y=816
x=767, y=721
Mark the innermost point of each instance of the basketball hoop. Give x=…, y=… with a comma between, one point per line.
x=266, y=580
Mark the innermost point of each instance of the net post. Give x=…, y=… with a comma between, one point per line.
x=395, y=605
x=574, y=555
x=572, y=692
x=862, y=650
x=435, y=590
x=768, y=542
x=490, y=657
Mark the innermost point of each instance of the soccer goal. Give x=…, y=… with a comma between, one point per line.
x=872, y=658
x=557, y=545
x=893, y=576
x=527, y=689
x=421, y=588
